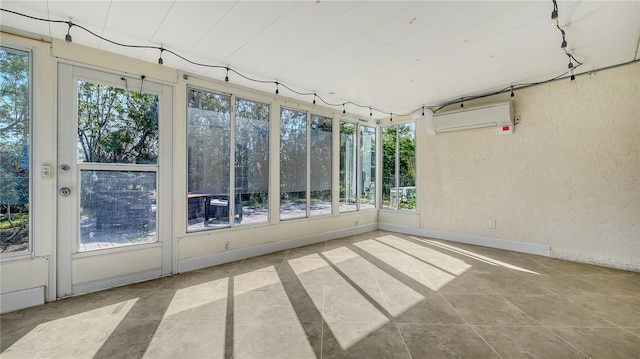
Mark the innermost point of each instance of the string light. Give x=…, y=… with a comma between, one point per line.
x=226, y=77
x=343, y=110
x=422, y=110
x=391, y=117
x=68, y=38
x=563, y=45
x=554, y=18
x=160, y=61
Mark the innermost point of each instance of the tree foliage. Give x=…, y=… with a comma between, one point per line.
x=398, y=140
x=14, y=149
x=117, y=126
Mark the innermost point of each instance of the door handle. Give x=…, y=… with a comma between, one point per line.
x=64, y=191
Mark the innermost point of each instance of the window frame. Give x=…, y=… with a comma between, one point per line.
x=31, y=53
x=309, y=116
x=396, y=126
x=233, y=98
x=358, y=144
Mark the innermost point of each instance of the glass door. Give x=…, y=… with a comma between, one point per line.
x=113, y=176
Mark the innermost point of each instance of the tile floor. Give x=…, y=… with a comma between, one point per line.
x=374, y=295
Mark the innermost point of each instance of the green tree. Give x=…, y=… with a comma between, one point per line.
x=116, y=126
x=400, y=141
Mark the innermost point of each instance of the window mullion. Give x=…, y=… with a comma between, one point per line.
x=308, y=144
x=397, y=167
x=232, y=162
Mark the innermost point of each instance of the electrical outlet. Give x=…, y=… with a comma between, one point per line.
x=492, y=223
x=227, y=246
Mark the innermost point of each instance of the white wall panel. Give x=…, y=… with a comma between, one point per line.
x=95, y=267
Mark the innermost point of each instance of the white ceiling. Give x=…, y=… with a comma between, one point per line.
x=395, y=56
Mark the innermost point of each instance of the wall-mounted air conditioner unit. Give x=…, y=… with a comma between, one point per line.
x=494, y=115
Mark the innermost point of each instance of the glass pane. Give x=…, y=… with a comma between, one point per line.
x=252, y=162
x=389, y=187
x=14, y=150
x=293, y=164
x=348, y=167
x=407, y=165
x=116, y=126
x=368, y=155
x=208, y=141
x=320, y=171
x=117, y=208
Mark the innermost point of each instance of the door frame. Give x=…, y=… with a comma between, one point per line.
x=67, y=208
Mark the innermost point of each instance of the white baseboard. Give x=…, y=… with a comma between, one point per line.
x=118, y=281
x=21, y=299
x=603, y=262
x=210, y=260
x=523, y=247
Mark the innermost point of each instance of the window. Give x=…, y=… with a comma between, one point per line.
x=118, y=161
x=252, y=161
x=211, y=200
x=321, y=151
x=357, y=167
x=348, y=167
x=399, y=167
x=305, y=164
x=15, y=161
x=293, y=164
x=209, y=159
x=368, y=167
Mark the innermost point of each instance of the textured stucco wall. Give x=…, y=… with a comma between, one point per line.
x=569, y=176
